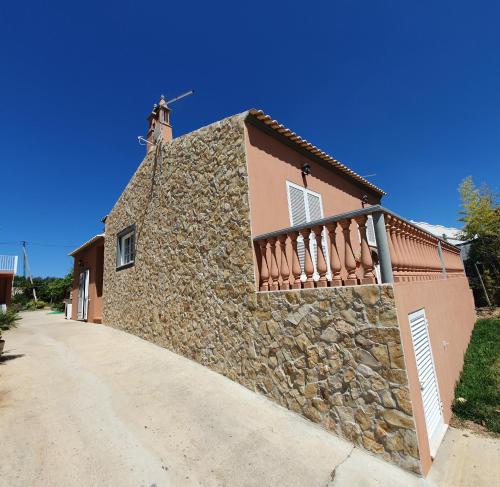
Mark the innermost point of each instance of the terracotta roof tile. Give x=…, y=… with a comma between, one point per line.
x=286, y=132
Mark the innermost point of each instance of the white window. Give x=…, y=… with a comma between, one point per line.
x=305, y=206
x=126, y=247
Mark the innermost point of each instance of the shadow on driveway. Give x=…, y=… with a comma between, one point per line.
x=6, y=356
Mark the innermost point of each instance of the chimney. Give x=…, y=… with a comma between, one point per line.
x=159, y=125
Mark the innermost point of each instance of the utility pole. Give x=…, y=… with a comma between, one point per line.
x=23, y=242
x=26, y=264
x=482, y=285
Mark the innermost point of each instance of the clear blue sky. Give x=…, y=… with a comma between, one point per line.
x=407, y=90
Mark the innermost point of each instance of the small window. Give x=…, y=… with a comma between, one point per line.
x=125, y=254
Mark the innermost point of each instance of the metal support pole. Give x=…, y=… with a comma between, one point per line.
x=482, y=285
x=383, y=248
x=441, y=258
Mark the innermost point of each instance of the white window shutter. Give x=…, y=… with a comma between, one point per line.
x=305, y=206
x=314, y=206
x=298, y=216
x=298, y=213
x=370, y=232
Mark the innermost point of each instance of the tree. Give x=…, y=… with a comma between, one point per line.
x=481, y=216
x=51, y=290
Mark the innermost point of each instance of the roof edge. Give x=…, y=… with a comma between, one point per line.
x=295, y=139
x=88, y=243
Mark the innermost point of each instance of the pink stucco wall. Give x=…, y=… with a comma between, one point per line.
x=271, y=164
x=449, y=309
x=92, y=258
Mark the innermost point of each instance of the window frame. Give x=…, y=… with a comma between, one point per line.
x=306, y=202
x=305, y=193
x=125, y=234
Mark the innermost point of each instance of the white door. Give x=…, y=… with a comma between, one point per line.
x=426, y=370
x=83, y=295
x=305, y=206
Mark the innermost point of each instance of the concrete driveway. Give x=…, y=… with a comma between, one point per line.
x=87, y=405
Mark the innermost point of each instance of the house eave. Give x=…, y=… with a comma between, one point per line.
x=88, y=243
x=265, y=123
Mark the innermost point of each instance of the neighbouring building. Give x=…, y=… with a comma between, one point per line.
x=8, y=269
x=86, y=293
x=244, y=247
x=450, y=234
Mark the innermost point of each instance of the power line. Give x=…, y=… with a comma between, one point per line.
x=39, y=244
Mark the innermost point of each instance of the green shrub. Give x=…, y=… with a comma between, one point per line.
x=8, y=320
x=58, y=306
x=19, y=299
x=16, y=307
x=34, y=305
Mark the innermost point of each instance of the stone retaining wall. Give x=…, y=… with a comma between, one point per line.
x=333, y=355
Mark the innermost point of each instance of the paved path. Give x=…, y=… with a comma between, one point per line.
x=87, y=405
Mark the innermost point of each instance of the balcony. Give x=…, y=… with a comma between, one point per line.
x=8, y=264
x=368, y=246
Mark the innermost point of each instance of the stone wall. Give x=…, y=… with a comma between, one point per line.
x=333, y=355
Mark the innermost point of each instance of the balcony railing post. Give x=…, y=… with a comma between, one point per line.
x=308, y=261
x=441, y=258
x=264, y=269
x=284, y=268
x=394, y=249
x=296, y=270
x=274, y=265
x=366, y=256
x=335, y=265
x=383, y=248
x=349, y=260
x=320, y=259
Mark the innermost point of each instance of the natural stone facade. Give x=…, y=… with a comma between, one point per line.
x=333, y=354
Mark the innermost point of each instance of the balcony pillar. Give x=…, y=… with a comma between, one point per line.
x=320, y=260
x=284, y=269
x=383, y=248
x=366, y=256
x=308, y=263
x=264, y=269
x=274, y=265
x=349, y=261
x=296, y=270
x=335, y=264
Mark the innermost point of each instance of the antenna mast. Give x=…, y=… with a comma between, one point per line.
x=157, y=135
x=180, y=97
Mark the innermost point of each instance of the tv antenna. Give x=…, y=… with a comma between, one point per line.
x=180, y=97
x=157, y=133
